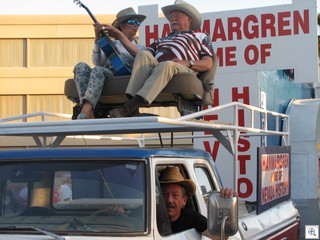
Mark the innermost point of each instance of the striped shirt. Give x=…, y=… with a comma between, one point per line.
x=182, y=45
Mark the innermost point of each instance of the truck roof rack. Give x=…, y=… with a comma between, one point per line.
x=226, y=133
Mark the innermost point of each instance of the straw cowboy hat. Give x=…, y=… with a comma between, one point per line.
x=188, y=9
x=125, y=14
x=173, y=175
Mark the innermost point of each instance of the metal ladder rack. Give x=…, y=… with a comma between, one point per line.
x=154, y=124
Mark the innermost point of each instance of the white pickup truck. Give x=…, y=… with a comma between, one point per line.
x=106, y=176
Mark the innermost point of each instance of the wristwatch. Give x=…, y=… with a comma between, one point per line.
x=191, y=63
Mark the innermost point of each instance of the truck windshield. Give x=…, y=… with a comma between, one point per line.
x=105, y=196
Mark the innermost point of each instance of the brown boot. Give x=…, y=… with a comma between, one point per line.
x=128, y=108
x=136, y=113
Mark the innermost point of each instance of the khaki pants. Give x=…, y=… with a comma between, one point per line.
x=149, y=77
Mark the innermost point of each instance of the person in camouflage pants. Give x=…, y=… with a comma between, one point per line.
x=89, y=81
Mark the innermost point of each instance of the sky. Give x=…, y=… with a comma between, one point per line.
x=112, y=7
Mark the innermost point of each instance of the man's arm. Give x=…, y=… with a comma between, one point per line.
x=132, y=49
x=202, y=65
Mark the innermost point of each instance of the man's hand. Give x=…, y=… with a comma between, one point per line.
x=226, y=192
x=182, y=62
x=202, y=65
x=108, y=29
x=117, y=210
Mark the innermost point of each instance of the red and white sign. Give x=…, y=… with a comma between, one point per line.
x=274, y=177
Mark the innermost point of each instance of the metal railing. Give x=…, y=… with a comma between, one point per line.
x=259, y=124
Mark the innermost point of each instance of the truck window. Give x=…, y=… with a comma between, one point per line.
x=163, y=223
x=97, y=195
x=204, y=181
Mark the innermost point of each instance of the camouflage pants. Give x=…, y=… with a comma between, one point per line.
x=89, y=82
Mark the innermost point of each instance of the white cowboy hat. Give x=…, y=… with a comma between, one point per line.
x=173, y=175
x=125, y=14
x=188, y=9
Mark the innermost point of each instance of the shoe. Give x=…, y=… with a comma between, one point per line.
x=76, y=111
x=117, y=113
x=129, y=108
x=136, y=113
x=82, y=116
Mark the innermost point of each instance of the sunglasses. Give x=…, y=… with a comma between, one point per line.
x=133, y=22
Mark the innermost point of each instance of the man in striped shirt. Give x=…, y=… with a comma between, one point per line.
x=183, y=50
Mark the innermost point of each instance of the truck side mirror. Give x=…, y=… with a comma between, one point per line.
x=222, y=215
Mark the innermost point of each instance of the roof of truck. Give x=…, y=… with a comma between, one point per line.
x=49, y=153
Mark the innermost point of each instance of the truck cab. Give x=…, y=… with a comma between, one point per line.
x=100, y=180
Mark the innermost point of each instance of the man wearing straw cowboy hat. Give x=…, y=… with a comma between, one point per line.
x=89, y=81
x=176, y=190
x=183, y=50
